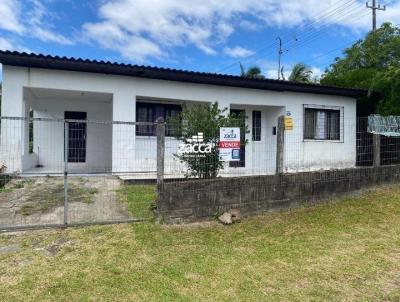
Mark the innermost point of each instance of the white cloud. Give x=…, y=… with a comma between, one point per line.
x=9, y=16
x=168, y=24
x=392, y=13
x=272, y=71
x=29, y=21
x=38, y=27
x=317, y=72
x=206, y=24
x=143, y=29
x=273, y=74
x=248, y=25
x=46, y=35
x=8, y=44
x=238, y=52
x=5, y=44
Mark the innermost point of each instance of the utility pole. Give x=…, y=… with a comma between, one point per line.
x=280, y=52
x=374, y=8
x=376, y=139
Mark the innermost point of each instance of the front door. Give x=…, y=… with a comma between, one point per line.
x=76, y=137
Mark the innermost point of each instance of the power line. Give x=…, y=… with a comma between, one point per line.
x=331, y=12
x=312, y=37
x=335, y=49
x=316, y=35
x=344, y=46
x=327, y=53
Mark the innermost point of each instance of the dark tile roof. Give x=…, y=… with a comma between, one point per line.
x=72, y=64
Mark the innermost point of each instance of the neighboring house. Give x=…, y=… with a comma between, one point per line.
x=58, y=88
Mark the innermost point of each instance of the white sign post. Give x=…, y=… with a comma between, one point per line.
x=229, y=144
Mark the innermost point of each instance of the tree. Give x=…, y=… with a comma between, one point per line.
x=387, y=82
x=367, y=64
x=253, y=72
x=300, y=73
x=206, y=119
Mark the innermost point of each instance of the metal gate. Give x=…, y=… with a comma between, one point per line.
x=61, y=172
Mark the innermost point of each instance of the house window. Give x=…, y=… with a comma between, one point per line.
x=322, y=123
x=150, y=112
x=256, y=126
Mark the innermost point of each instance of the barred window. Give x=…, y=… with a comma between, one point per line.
x=150, y=112
x=256, y=133
x=321, y=124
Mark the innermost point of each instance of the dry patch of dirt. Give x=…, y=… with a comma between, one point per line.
x=40, y=200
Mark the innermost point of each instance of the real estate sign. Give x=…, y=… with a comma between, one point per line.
x=229, y=144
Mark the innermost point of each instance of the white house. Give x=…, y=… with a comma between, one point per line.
x=100, y=92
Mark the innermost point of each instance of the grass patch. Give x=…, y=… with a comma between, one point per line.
x=140, y=199
x=21, y=183
x=343, y=251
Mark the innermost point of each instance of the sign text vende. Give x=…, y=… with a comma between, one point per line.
x=231, y=145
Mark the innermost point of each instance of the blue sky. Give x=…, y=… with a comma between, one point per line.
x=201, y=35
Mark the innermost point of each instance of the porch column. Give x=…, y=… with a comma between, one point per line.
x=123, y=135
x=12, y=131
x=222, y=105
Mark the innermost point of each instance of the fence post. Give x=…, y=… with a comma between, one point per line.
x=376, y=141
x=280, y=143
x=160, y=153
x=66, y=133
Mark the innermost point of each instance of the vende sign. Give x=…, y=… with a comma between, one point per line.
x=229, y=144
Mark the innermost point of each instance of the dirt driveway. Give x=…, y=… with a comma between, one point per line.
x=40, y=201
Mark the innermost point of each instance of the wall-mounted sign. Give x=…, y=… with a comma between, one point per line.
x=229, y=144
x=288, y=123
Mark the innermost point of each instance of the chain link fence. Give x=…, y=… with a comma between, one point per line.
x=59, y=172
x=72, y=171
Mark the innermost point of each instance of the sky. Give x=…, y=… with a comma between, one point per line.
x=200, y=35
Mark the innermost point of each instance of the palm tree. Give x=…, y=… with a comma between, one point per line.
x=253, y=72
x=300, y=73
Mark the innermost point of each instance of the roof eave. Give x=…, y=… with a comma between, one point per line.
x=44, y=62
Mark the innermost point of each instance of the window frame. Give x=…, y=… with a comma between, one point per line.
x=156, y=108
x=339, y=109
x=256, y=129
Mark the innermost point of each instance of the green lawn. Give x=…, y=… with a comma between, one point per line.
x=348, y=250
x=140, y=199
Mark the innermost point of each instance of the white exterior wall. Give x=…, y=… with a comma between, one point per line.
x=11, y=142
x=126, y=90
x=49, y=136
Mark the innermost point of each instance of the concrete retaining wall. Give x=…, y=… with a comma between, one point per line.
x=187, y=201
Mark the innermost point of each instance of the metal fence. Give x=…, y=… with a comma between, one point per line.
x=58, y=172
x=283, y=146
x=303, y=145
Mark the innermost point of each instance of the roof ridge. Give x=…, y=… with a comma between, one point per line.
x=177, y=72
